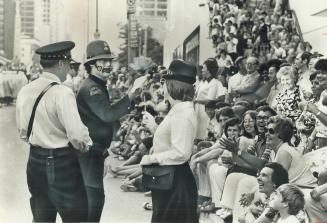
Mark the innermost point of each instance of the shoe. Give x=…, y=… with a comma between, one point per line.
x=220, y=211
x=128, y=188
x=148, y=194
x=147, y=206
x=210, y=208
x=226, y=214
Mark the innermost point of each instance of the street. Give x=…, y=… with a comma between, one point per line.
x=14, y=202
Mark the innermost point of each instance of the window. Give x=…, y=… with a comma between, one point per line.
x=162, y=13
x=162, y=6
x=149, y=13
x=148, y=5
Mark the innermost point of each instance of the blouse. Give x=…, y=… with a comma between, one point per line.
x=173, y=139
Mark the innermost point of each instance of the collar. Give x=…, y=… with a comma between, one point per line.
x=98, y=80
x=181, y=106
x=50, y=76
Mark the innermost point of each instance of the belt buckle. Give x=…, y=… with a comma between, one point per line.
x=50, y=157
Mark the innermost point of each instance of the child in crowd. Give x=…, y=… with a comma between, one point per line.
x=288, y=201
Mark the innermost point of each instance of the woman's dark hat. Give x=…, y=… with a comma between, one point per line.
x=181, y=71
x=98, y=49
x=56, y=51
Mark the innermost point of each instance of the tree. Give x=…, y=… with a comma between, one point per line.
x=123, y=55
x=154, y=48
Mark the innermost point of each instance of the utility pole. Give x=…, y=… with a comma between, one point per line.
x=97, y=33
x=145, y=41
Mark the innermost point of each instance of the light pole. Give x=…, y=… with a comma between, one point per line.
x=97, y=33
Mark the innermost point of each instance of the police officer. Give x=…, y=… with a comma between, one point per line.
x=98, y=114
x=55, y=133
x=73, y=81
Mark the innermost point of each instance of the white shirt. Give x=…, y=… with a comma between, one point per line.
x=320, y=127
x=210, y=90
x=57, y=121
x=234, y=81
x=173, y=139
x=289, y=219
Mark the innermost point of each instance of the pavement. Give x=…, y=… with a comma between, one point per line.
x=124, y=207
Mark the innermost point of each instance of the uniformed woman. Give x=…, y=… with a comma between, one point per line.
x=172, y=145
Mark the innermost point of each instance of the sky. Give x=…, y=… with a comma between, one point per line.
x=111, y=12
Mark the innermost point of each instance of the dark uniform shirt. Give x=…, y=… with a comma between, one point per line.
x=96, y=111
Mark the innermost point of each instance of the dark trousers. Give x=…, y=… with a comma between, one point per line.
x=92, y=164
x=56, y=185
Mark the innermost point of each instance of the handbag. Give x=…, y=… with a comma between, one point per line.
x=157, y=177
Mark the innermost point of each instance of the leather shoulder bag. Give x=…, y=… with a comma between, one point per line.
x=157, y=177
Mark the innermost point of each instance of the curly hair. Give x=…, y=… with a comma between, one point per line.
x=284, y=128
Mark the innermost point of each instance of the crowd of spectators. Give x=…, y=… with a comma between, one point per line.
x=261, y=107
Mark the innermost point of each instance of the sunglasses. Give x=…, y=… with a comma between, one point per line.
x=271, y=131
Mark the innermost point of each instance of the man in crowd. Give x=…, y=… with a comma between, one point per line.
x=250, y=82
x=270, y=178
x=53, y=173
x=98, y=114
x=319, y=110
x=316, y=201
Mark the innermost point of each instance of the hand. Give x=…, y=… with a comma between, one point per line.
x=256, y=210
x=315, y=194
x=302, y=105
x=146, y=160
x=149, y=121
x=229, y=145
x=246, y=199
x=133, y=94
x=138, y=84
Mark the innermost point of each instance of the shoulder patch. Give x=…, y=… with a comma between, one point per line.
x=95, y=91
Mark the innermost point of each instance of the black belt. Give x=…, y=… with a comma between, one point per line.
x=39, y=151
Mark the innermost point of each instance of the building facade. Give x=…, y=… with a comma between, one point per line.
x=187, y=33
x=153, y=13
x=7, y=32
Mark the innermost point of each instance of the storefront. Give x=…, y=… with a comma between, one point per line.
x=191, y=47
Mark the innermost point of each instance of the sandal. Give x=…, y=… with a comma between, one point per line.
x=147, y=206
x=210, y=208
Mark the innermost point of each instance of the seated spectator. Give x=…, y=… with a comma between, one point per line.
x=251, y=80
x=316, y=200
x=288, y=200
x=288, y=99
x=270, y=178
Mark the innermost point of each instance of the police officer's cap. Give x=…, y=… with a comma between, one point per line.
x=181, y=71
x=321, y=65
x=56, y=51
x=98, y=49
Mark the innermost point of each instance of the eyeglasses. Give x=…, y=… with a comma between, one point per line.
x=251, y=64
x=271, y=131
x=263, y=118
